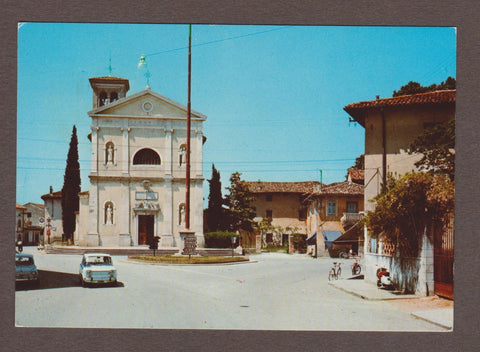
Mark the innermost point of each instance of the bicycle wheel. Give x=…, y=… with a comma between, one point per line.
x=331, y=275
x=339, y=273
x=356, y=270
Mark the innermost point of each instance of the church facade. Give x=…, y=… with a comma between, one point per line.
x=138, y=169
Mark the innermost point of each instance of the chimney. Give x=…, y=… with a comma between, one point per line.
x=51, y=190
x=378, y=97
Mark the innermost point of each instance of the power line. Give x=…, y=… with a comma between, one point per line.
x=218, y=41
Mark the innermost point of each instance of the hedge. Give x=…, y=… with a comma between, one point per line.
x=219, y=239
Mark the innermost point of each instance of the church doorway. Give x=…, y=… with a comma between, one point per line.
x=145, y=229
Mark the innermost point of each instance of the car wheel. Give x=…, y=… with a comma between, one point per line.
x=83, y=283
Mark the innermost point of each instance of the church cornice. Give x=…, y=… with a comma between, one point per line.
x=141, y=179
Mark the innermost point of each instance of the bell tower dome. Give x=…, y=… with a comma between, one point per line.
x=108, y=89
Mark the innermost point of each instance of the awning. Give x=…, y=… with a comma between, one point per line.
x=350, y=236
x=312, y=239
x=330, y=236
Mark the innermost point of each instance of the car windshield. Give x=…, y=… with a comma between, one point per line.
x=98, y=260
x=23, y=261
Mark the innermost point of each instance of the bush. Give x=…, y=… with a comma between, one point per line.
x=219, y=239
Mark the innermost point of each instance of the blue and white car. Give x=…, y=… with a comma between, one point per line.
x=97, y=268
x=25, y=269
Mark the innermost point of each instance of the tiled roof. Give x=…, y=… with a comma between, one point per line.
x=357, y=110
x=356, y=174
x=57, y=194
x=282, y=187
x=18, y=206
x=340, y=188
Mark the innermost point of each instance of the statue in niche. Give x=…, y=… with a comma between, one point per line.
x=182, y=155
x=109, y=214
x=181, y=213
x=110, y=154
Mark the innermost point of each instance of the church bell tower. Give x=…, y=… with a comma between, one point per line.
x=108, y=89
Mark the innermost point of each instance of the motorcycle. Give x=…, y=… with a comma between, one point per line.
x=19, y=246
x=384, y=280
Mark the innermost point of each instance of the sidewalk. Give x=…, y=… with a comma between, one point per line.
x=425, y=308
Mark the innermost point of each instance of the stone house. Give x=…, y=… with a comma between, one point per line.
x=332, y=219
x=19, y=221
x=137, y=169
x=284, y=204
x=391, y=124
x=34, y=221
x=53, y=216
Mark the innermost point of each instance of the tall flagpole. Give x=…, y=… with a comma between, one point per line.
x=187, y=177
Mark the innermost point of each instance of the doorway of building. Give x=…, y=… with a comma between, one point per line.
x=145, y=229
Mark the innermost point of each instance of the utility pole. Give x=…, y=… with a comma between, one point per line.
x=187, y=176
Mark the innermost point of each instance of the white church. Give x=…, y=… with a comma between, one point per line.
x=138, y=169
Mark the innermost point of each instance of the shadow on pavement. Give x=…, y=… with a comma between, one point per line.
x=54, y=279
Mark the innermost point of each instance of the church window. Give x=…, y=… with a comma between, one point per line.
x=113, y=97
x=103, y=98
x=146, y=156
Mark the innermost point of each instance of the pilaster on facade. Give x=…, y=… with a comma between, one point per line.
x=125, y=162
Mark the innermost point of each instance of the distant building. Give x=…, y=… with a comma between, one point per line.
x=34, y=221
x=332, y=221
x=284, y=204
x=19, y=216
x=53, y=217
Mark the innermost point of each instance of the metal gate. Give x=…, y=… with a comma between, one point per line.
x=443, y=260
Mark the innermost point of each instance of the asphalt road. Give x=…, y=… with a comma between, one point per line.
x=275, y=292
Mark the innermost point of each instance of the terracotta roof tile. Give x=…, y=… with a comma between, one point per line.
x=341, y=188
x=282, y=187
x=356, y=110
x=356, y=174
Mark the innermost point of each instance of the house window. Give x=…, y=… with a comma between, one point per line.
x=29, y=215
x=352, y=207
x=269, y=237
x=332, y=207
x=269, y=197
x=373, y=245
x=146, y=157
x=269, y=214
x=302, y=214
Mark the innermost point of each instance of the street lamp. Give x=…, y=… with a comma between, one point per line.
x=142, y=64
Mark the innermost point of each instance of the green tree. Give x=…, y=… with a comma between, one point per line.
x=409, y=205
x=437, y=146
x=238, y=201
x=415, y=87
x=215, y=214
x=71, y=188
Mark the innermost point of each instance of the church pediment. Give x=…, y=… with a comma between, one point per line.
x=146, y=103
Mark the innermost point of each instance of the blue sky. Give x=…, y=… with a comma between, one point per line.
x=274, y=95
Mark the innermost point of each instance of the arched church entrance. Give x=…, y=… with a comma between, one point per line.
x=146, y=229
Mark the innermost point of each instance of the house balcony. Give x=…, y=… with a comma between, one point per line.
x=349, y=219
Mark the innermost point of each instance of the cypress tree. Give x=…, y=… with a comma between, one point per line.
x=71, y=188
x=215, y=201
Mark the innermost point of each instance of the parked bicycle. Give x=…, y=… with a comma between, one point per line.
x=356, y=268
x=335, y=272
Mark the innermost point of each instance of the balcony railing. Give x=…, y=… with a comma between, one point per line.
x=351, y=218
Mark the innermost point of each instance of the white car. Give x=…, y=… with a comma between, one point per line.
x=25, y=269
x=97, y=268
